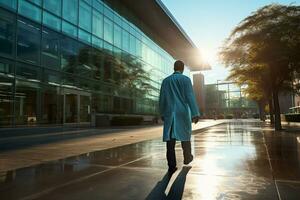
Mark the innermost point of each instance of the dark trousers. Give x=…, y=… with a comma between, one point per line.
x=171, y=156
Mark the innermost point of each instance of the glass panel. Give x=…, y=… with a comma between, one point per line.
x=51, y=105
x=7, y=30
x=97, y=60
x=29, y=10
x=70, y=10
x=98, y=24
x=108, y=13
x=97, y=42
x=108, y=48
x=12, y=4
x=28, y=72
x=37, y=2
x=117, y=36
x=85, y=16
x=138, y=48
x=84, y=36
x=106, y=105
x=71, y=103
x=69, y=48
x=117, y=54
x=85, y=109
x=85, y=67
x=26, y=103
x=53, y=6
x=117, y=105
x=52, y=77
x=28, y=47
x=132, y=45
x=88, y=2
x=50, y=49
x=52, y=21
x=6, y=89
x=117, y=19
x=108, y=65
x=69, y=29
x=125, y=40
x=108, y=30
x=98, y=5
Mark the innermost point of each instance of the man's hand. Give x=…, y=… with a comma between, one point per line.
x=196, y=119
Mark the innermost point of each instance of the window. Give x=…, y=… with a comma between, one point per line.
x=7, y=35
x=97, y=42
x=51, y=77
x=85, y=16
x=37, y=2
x=53, y=6
x=84, y=36
x=28, y=47
x=69, y=29
x=132, y=45
x=125, y=40
x=138, y=48
x=70, y=10
x=29, y=10
x=107, y=69
x=12, y=4
x=52, y=104
x=118, y=20
x=97, y=24
x=51, y=21
x=69, y=54
x=6, y=88
x=88, y=2
x=108, y=30
x=51, y=49
x=117, y=36
x=108, y=13
x=26, y=103
x=108, y=47
x=28, y=72
x=97, y=5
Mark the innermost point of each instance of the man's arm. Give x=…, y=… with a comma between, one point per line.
x=161, y=101
x=191, y=100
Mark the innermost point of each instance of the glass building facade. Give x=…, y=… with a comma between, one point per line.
x=61, y=61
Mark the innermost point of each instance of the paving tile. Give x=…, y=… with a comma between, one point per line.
x=289, y=190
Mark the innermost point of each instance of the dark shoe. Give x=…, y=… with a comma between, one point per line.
x=172, y=170
x=189, y=160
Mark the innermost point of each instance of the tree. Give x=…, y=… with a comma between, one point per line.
x=269, y=39
x=254, y=78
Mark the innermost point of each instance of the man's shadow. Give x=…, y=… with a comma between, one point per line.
x=177, y=188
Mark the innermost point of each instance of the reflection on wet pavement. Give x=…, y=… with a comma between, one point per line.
x=237, y=160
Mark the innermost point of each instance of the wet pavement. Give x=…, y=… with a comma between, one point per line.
x=236, y=160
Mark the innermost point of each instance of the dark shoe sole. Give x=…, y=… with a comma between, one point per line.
x=172, y=170
x=186, y=162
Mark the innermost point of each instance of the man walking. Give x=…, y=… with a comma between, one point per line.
x=178, y=109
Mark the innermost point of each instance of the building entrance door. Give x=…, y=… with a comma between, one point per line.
x=77, y=107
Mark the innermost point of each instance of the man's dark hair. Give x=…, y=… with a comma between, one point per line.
x=178, y=65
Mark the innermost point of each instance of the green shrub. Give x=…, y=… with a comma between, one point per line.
x=126, y=121
x=292, y=117
x=229, y=116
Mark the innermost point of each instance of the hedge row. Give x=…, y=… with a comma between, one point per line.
x=292, y=117
x=126, y=121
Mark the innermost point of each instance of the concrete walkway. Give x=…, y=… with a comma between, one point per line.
x=239, y=159
x=59, y=145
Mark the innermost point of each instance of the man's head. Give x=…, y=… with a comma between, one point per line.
x=178, y=66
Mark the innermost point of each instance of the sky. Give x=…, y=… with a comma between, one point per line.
x=209, y=22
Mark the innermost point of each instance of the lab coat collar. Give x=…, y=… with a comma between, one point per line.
x=177, y=72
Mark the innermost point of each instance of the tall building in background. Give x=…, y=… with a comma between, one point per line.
x=199, y=88
x=67, y=61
